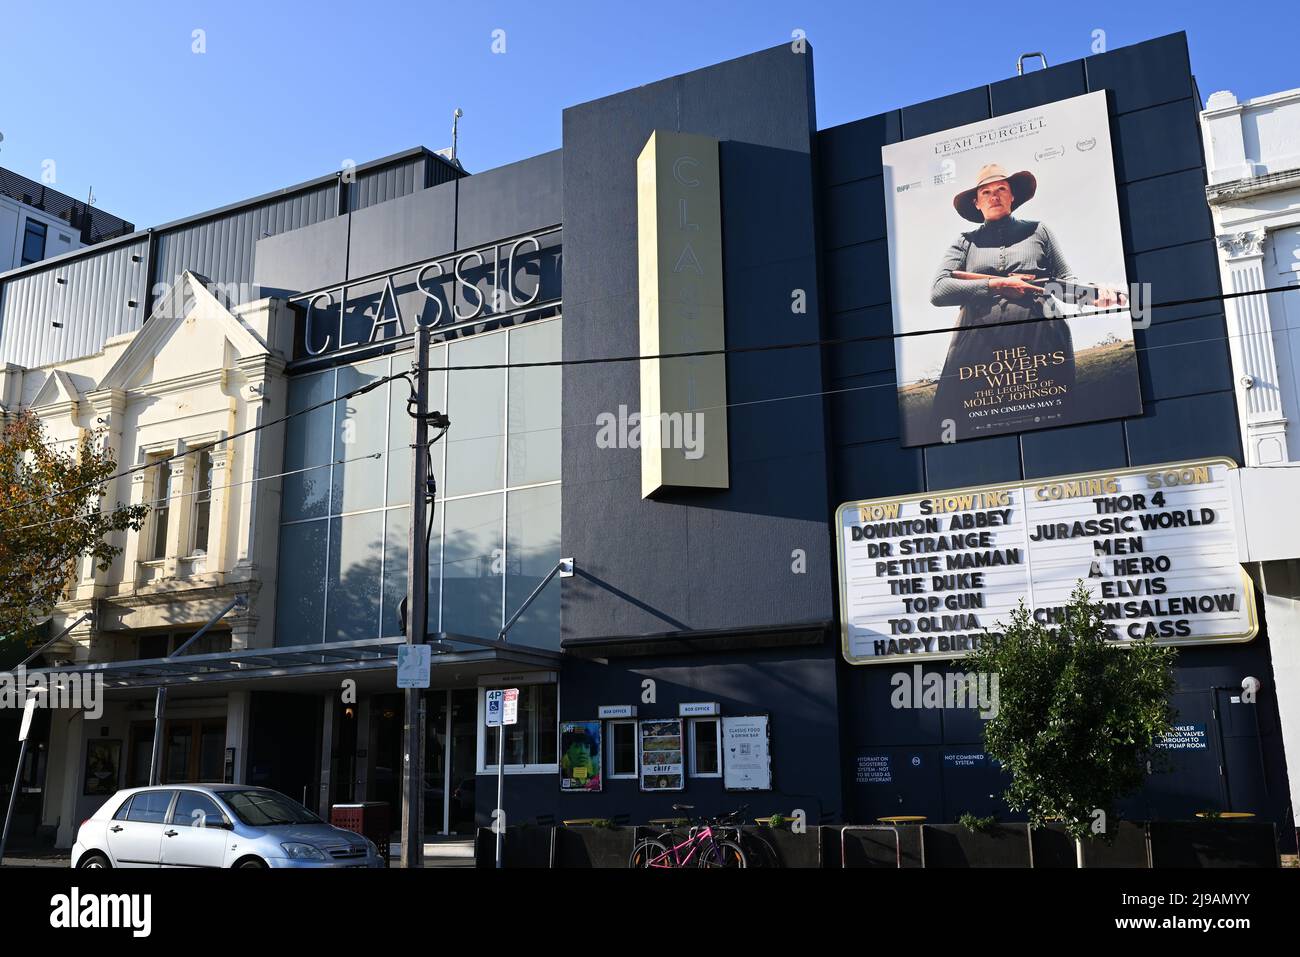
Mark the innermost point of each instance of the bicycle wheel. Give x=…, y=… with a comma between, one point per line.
x=650, y=854
x=722, y=854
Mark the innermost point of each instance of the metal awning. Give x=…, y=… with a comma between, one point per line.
x=337, y=658
x=700, y=641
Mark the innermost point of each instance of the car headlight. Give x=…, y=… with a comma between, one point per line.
x=303, y=852
x=374, y=848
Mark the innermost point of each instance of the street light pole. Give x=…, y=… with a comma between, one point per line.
x=417, y=600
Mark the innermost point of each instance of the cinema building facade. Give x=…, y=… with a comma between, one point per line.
x=666, y=555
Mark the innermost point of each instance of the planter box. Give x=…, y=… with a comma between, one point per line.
x=1213, y=844
x=1053, y=847
x=521, y=847
x=781, y=847
x=1127, y=849
x=952, y=845
x=593, y=846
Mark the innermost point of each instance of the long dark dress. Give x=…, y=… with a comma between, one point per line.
x=999, y=248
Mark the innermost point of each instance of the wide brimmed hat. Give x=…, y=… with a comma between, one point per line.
x=1023, y=186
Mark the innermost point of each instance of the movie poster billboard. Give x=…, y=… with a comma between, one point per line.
x=1010, y=296
x=580, y=756
x=663, y=767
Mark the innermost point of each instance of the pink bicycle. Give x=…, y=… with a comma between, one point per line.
x=706, y=845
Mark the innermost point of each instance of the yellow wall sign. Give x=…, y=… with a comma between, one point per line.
x=679, y=233
x=924, y=576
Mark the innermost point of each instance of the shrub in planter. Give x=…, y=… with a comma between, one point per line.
x=1076, y=716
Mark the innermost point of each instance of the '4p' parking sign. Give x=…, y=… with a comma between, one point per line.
x=502, y=707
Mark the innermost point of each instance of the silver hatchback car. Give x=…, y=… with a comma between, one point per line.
x=214, y=825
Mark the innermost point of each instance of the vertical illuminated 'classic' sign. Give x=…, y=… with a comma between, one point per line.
x=679, y=233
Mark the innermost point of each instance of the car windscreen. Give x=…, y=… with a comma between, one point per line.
x=267, y=808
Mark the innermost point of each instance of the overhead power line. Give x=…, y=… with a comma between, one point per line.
x=732, y=350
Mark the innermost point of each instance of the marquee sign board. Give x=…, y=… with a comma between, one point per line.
x=925, y=576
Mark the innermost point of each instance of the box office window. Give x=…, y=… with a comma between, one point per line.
x=622, y=749
x=705, y=742
x=531, y=744
x=345, y=518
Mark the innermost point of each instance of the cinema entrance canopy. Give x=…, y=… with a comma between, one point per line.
x=457, y=659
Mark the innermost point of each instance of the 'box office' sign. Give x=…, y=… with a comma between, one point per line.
x=924, y=576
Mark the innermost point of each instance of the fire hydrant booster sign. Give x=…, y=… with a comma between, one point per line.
x=1012, y=310
x=932, y=576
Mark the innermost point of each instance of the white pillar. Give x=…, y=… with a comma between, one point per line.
x=73, y=743
x=237, y=721
x=1250, y=337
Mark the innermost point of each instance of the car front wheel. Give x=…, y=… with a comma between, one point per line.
x=93, y=861
x=252, y=862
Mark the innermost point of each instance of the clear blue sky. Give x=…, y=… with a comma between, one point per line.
x=286, y=91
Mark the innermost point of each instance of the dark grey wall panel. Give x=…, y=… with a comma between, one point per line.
x=852, y=151
x=877, y=469
x=699, y=559
x=1184, y=358
x=1161, y=139
x=1038, y=87
x=222, y=248
x=1078, y=448
x=969, y=106
x=1185, y=428
x=509, y=200
x=92, y=303
x=973, y=462
x=307, y=258
x=854, y=212
x=1144, y=74
x=1164, y=211
x=405, y=230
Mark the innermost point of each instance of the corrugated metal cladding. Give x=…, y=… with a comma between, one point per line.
x=91, y=304
x=387, y=182
x=221, y=248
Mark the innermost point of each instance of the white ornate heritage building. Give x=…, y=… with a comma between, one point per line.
x=1253, y=163
x=163, y=395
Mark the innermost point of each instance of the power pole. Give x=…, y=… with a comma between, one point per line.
x=417, y=601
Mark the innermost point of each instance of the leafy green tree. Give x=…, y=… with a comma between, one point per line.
x=1078, y=715
x=50, y=515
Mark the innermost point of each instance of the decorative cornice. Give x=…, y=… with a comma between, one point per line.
x=1221, y=193
x=1243, y=244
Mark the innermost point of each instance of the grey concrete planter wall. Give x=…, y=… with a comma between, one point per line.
x=593, y=846
x=520, y=847
x=954, y=845
x=1213, y=844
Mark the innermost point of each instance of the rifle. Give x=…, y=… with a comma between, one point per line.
x=1092, y=290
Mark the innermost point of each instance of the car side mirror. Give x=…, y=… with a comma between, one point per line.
x=222, y=825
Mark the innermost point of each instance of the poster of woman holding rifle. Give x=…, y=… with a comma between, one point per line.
x=1005, y=336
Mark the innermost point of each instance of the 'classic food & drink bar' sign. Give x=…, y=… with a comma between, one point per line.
x=924, y=576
